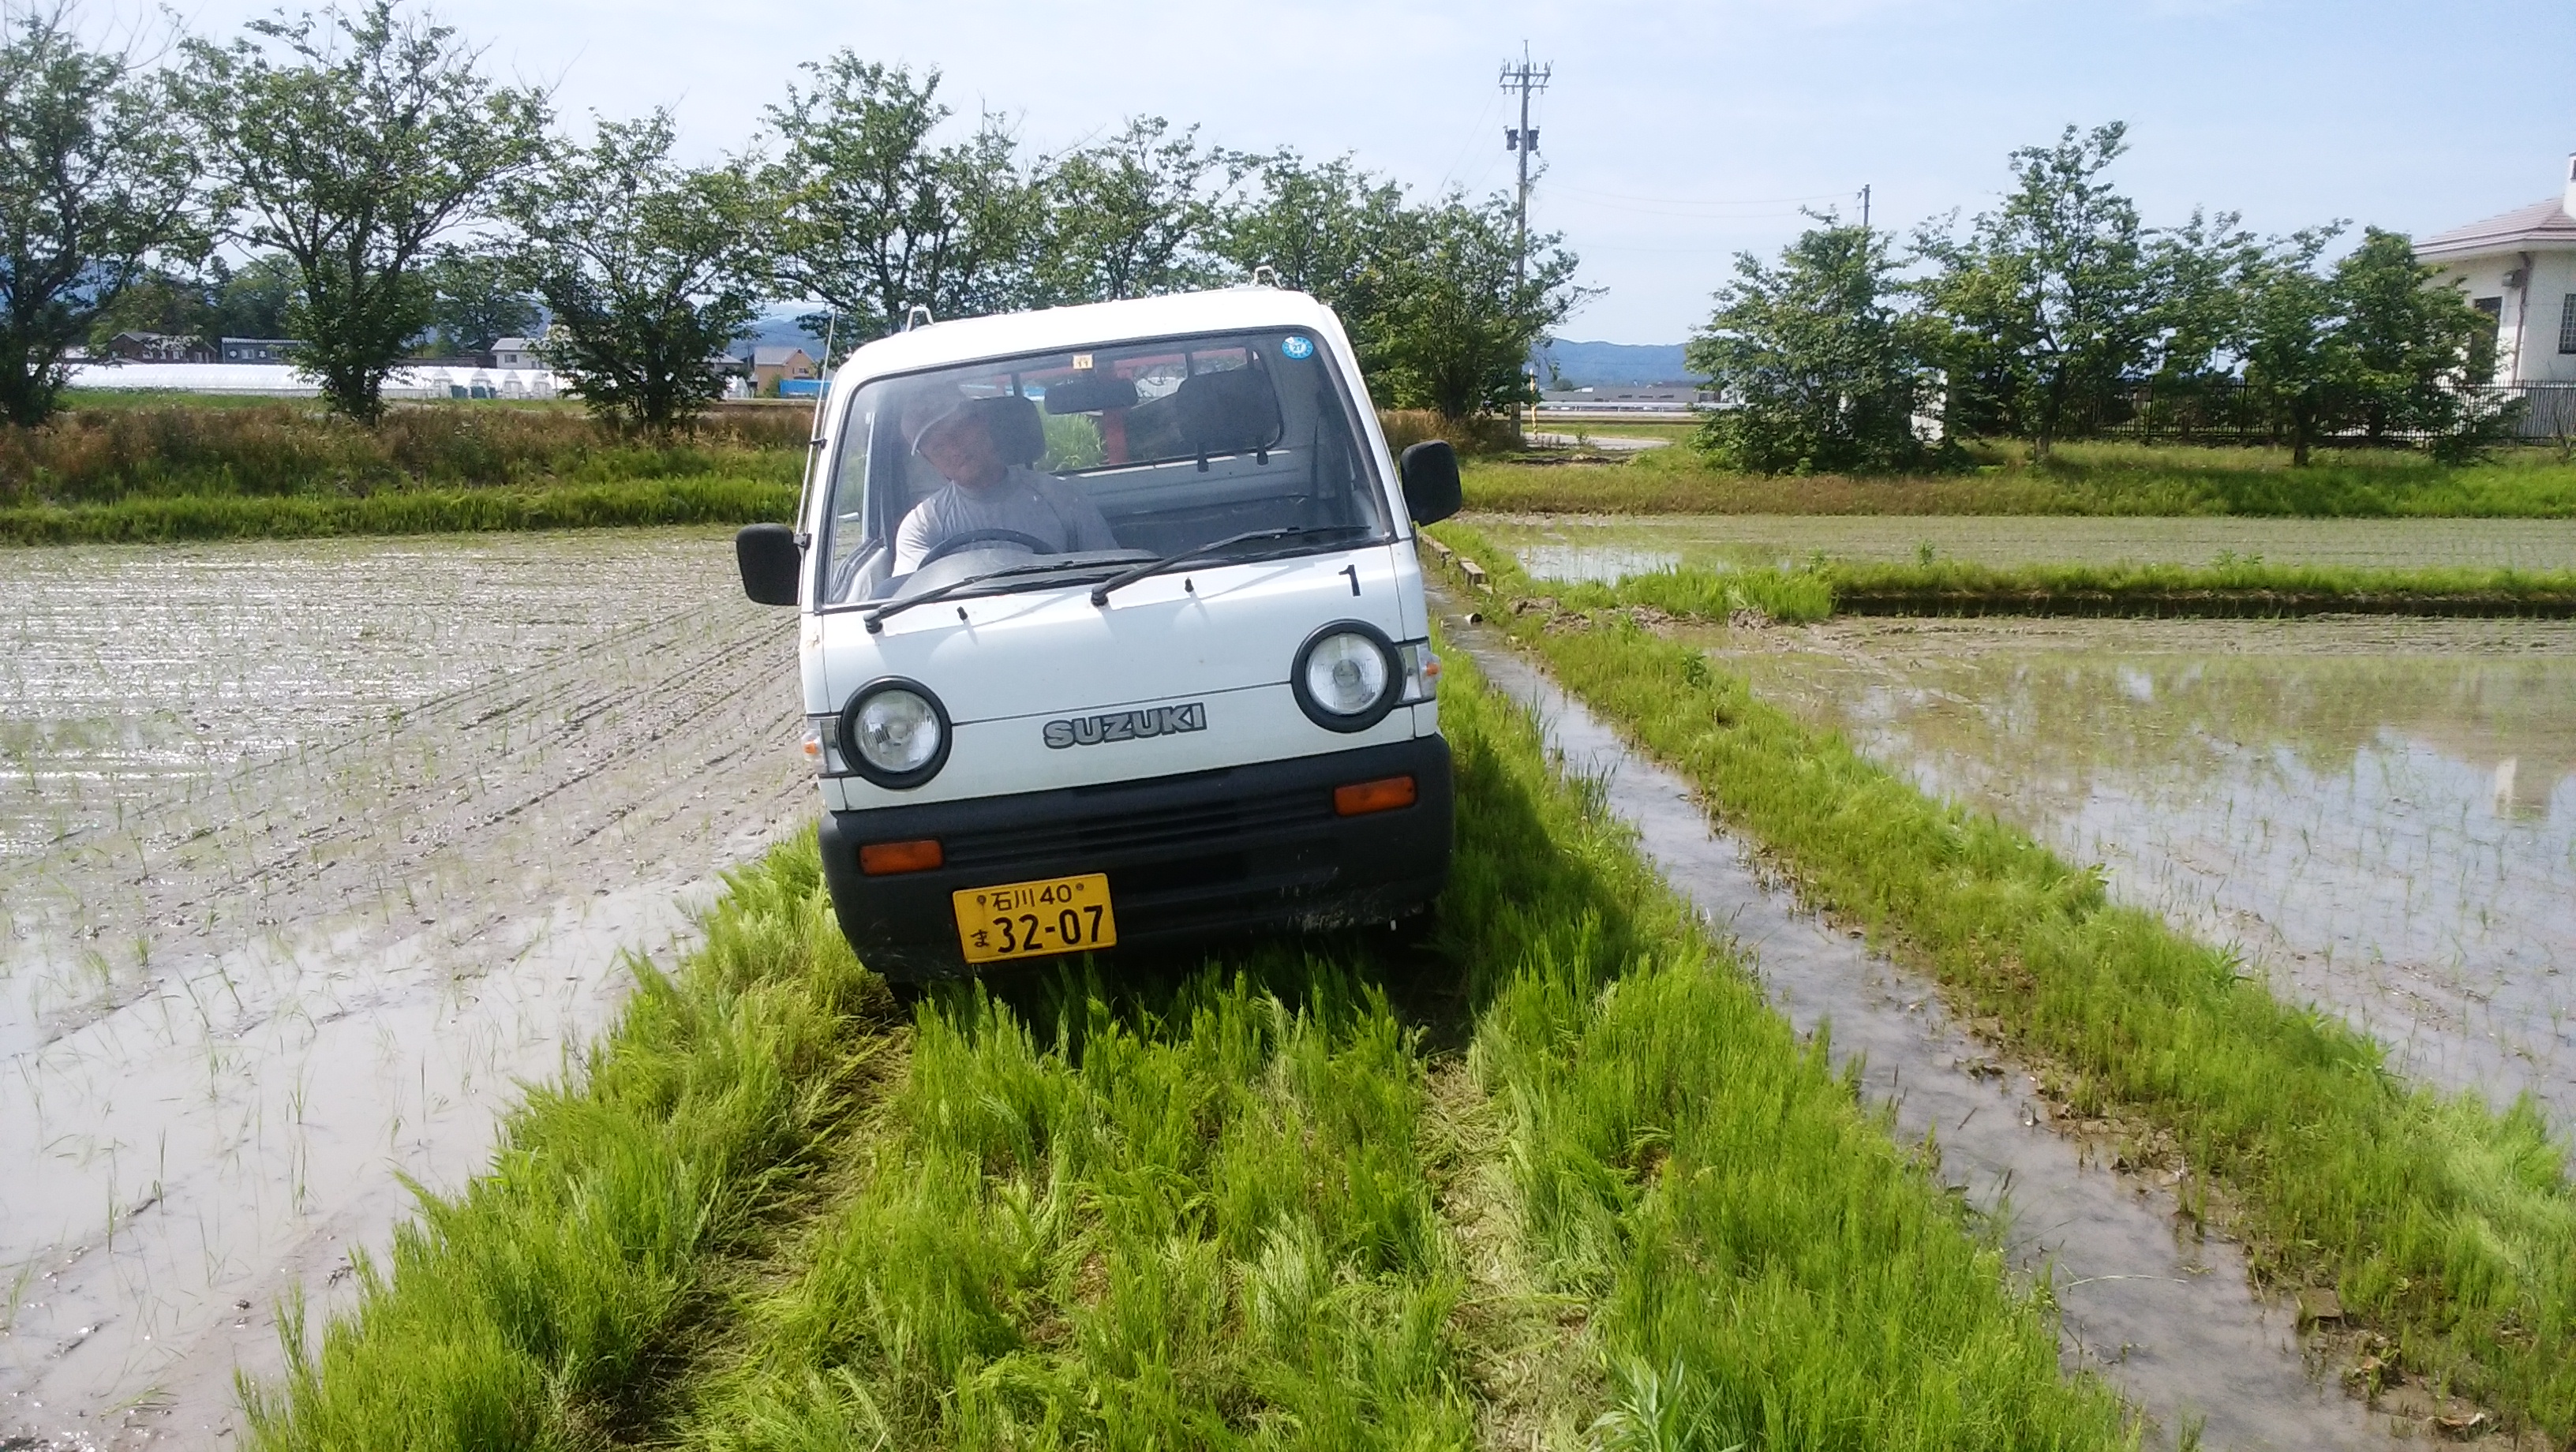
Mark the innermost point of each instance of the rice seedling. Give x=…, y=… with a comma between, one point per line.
x=1213, y=1211
x=1703, y=1179
x=2444, y=1224
x=1170, y=1225
x=528, y=1303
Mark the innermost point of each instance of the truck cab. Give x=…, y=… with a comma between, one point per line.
x=1112, y=634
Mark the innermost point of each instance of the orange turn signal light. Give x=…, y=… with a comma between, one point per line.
x=1363, y=797
x=880, y=859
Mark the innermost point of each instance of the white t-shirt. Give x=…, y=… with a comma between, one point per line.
x=1026, y=502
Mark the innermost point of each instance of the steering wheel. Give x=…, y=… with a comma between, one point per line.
x=954, y=543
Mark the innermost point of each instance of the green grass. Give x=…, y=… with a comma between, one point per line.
x=159, y=469
x=1563, y=1181
x=1163, y=1226
x=2445, y=1224
x=2078, y=478
x=156, y=518
x=1951, y=588
x=1767, y=1267
x=95, y=455
x=534, y=1308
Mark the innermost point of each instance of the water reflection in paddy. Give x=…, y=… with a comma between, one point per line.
x=309, y=853
x=2381, y=814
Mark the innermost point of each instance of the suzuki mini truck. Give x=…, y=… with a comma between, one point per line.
x=1113, y=634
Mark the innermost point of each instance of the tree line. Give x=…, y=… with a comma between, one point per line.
x=2043, y=314
x=357, y=180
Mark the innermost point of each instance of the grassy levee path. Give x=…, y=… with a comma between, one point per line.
x=2445, y=1224
x=2078, y=478
x=1947, y=587
x=155, y=468
x=711, y=499
x=1560, y=1179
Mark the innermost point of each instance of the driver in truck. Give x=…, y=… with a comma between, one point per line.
x=983, y=447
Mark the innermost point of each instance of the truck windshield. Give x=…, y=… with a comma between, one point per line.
x=1094, y=459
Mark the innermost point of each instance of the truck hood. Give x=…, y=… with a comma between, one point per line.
x=1051, y=652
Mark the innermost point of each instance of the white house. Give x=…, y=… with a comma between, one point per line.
x=516, y=353
x=2520, y=269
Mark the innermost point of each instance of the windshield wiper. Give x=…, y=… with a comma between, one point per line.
x=1100, y=592
x=877, y=617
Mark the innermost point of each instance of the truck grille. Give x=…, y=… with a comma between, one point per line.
x=1133, y=836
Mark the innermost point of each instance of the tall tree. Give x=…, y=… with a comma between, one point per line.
x=2050, y=299
x=879, y=217
x=650, y=269
x=251, y=301
x=1816, y=366
x=2298, y=358
x=95, y=184
x=1319, y=226
x=353, y=141
x=1124, y=216
x=2409, y=333
x=476, y=299
x=1442, y=322
x=2198, y=316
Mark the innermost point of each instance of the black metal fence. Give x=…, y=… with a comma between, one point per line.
x=2228, y=412
x=2549, y=409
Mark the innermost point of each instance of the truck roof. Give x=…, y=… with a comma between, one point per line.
x=1046, y=330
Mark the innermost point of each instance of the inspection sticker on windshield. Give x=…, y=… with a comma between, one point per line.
x=1296, y=347
x=1035, y=919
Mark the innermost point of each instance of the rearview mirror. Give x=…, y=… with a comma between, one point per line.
x=1431, y=490
x=1093, y=393
x=770, y=561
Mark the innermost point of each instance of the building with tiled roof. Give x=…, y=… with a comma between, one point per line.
x=2520, y=269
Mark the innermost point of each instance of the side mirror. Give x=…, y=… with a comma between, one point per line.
x=1431, y=490
x=770, y=561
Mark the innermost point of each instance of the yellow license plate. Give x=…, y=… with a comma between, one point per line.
x=1035, y=919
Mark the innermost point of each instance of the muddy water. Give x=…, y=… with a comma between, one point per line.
x=2381, y=814
x=309, y=854
x=1580, y=547
x=2164, y=1316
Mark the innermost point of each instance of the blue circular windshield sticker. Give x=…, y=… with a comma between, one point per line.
x=1296, y=347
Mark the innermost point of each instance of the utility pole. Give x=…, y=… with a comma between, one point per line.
x=1523, y=139
x=1864, y=209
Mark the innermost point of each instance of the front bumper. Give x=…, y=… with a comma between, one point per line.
x=1193, y=857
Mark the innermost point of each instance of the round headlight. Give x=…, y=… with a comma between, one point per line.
x=894, y=733
x=1346, y=677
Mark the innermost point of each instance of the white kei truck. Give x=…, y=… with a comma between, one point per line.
x=1112, y=634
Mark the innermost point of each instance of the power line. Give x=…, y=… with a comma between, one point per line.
x=1573, y=191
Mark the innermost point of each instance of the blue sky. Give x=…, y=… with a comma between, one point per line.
x=1676, y=134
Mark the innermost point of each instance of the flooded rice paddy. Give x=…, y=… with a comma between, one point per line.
x=2380, y=814
x=1585, y=547
x=2167, y=1317
x=310, y=853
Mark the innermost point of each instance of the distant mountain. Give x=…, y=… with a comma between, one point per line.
x=1595, y=365
x=778, y=330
